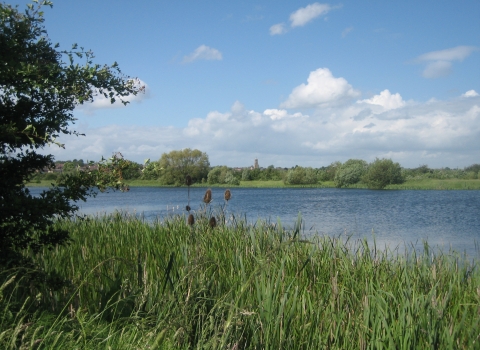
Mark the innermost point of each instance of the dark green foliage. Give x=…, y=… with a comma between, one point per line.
x=350, y=172
x=174, y=166
x=132, y=171
x=383, y=172
x=424, y=172
x=40, y=87
x=474, y=167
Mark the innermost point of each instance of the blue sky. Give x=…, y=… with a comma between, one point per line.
x=290, y=83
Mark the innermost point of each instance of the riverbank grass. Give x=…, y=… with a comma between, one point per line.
x=420, y=184
x=124, y=283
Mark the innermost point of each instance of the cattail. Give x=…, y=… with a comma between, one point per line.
x=227, y=195
x=208, y=196
x=191, y=220
x=187, y=208
x=212, y=222
x=188, y=180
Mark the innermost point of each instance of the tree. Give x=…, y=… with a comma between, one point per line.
x=174, y=166
x=222, y=175
x=301, y=176
x=246, y=175
x=217, y=175
x=383, y=172
x=40, y=86
x=350, y=172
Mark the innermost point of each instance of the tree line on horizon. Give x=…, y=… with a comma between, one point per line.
x=172, y=168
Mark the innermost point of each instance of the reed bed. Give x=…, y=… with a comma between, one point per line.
x=181, y=283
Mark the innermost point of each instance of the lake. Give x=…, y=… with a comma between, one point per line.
x=446, y=219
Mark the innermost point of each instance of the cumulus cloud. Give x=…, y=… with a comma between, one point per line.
x=439, y=63
x=203, y=52
x=301, y=17
x=471, y=93
x=322, y=89
x=278, y=114
x=386, y=100
x=436, y=132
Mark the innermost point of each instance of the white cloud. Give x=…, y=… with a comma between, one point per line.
x=458, y=53
x=386, y=100
x=301, y=17
x=471, y=93
x=322, y=89
x=439, y=63
x=305, y=14
x=438, y=133
x=203, y=52
x=277, y=29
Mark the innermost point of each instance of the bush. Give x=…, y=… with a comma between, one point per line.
x=246, y=175
x=350, y=172
x=230, y=179
x=383, y=172
x=301, y=176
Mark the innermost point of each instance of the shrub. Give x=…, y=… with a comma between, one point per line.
x=350, y=172
x=383, y=172
x=231, y=179
x=301, y=176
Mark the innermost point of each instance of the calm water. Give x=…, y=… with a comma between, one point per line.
x=396, y=218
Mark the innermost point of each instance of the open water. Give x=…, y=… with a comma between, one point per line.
x=447, y=220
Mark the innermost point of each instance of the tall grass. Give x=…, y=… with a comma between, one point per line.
x=130, y=284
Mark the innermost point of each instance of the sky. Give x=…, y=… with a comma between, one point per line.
x=287, y=82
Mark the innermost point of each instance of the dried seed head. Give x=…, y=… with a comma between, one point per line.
x=187, y=208
x=191, y=220
x=212, y=222
x=208, y=196
x=188, y=180
x=227, y=195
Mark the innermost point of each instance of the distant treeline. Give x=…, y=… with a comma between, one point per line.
x=172, y=168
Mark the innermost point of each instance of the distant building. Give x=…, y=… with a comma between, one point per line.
x=255, y=165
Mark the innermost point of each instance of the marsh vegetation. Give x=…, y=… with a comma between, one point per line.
x=184, y=283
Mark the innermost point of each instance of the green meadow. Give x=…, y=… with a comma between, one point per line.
x=123, y=283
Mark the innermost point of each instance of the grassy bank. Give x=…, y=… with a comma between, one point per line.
x=169, y=285
x=423, y=184
x=434, y=184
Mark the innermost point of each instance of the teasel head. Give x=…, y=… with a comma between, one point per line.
x=191, y=220
x=208, y=196
x=187, y=208
x=188, y=180
x=227, y=195
x=213, y=222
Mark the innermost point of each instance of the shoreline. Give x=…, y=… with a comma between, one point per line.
x=424, y=184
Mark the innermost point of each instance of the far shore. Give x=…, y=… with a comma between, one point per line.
x=423, y=184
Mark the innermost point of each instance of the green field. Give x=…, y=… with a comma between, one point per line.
x=129, y=284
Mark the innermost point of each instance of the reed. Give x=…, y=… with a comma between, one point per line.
x=192, y=281
x=132, y=284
